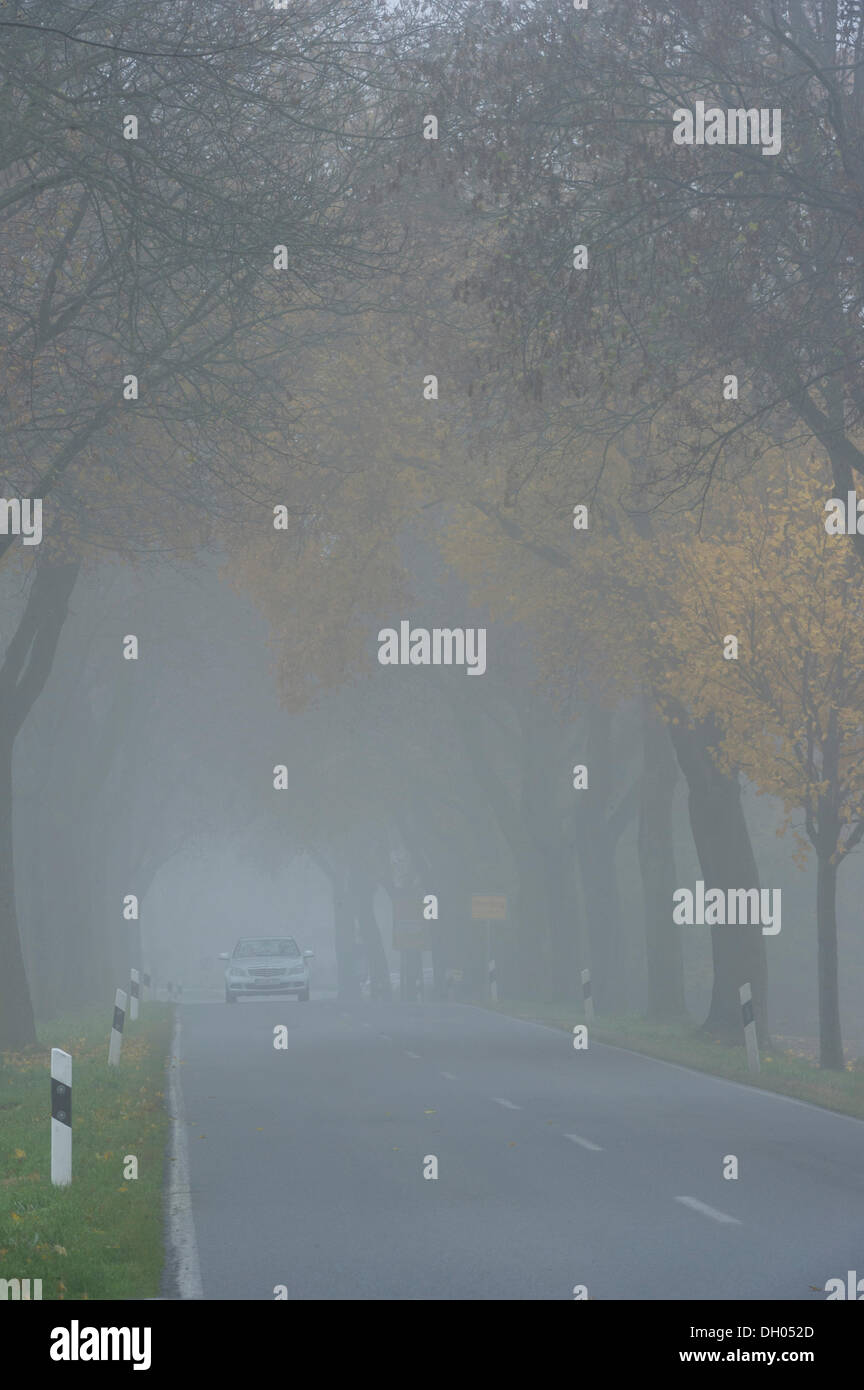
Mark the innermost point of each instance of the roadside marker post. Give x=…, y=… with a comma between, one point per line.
x=61, y=1117
x=116, y=1042
x=745, y=994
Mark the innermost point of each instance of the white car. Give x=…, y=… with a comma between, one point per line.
x=266, y=965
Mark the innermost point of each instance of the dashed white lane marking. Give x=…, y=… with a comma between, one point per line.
x=415, y=1055
x=708, y=1211
x=508, y=1104
x=584, y=1143
x=385, y=1036
x=448, y=1076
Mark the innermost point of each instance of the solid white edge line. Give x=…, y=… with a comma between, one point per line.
x=508, y=1104
x=183, y=1265
x=756, y=1092
x=696, y=1205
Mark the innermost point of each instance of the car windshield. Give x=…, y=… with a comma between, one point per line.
x=268, y=946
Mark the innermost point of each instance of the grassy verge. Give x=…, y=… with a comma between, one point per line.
x=784, y=1071
x=101, y=1237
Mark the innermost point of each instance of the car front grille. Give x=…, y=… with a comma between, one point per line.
x=266, y=974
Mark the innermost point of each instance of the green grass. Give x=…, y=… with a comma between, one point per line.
x=102, y=1236
x=784, y=1071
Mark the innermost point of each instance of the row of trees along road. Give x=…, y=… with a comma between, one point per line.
x=153, y=257
x=559, y=386
x=505, y=328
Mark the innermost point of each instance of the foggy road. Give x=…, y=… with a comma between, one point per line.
x=556, y=1168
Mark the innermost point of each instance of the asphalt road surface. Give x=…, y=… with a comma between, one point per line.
x=556, y=1168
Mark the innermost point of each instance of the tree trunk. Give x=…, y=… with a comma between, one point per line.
x=599, y=827
x=664, y=955
x=564, y=949
x=727, y=861
x=363, y=892
x=26, y=667
x=830, y=1034
x=514, y=820
x=17, y=1027
x=600, y=893
x=348, y=985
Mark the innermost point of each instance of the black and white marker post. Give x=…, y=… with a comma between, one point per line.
x=116, y=1042
x=134, y=991
x=587, y=1001
x=61, y=1117
x=746, y=997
